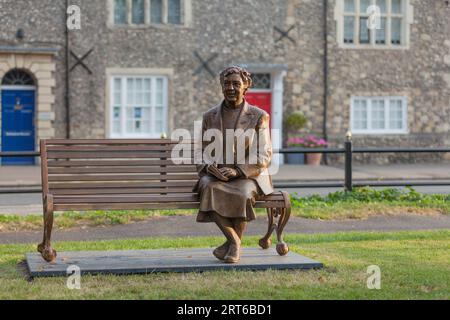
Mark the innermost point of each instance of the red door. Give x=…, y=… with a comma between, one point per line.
x=262, y=100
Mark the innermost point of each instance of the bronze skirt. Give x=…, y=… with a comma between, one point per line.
x=232, y=199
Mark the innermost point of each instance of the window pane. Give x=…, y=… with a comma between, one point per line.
x=261, y=80
x=158, y=127
x=159, y=98
x=147, y=98
x=146, y=126
x=378, y=115
x=360, y=115
x=130, y=91
x=159, y=120
x=174, y=12
x=116, y=127
x=382, y=5
x=159, y=92
x=117, y=91
x=396, y=30
x=146, y=93
x=364, y=32
x=138, y=92
x=137, y=113
x=396, y=6
x=364, y=5
x=156, y=11
x=137, y=126
x=117, y=85
x=129, y=114
x=138, y=12
x=349, y=6
x=120, y=12
x=159, y=114
x=159, y=85
x=116, y=113
x=139, y=85
x=116, y=120
x=396, y=114
x=349, y=29
x=146, y=114
x=381, y=32
x=129, y=128
x=147, y=85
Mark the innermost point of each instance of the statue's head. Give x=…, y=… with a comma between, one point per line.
x=235, y=82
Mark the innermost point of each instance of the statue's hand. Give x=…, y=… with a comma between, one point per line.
x=230, y=173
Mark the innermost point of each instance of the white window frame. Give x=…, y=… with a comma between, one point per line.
x=185, y=15
x=407, y=16
x=123, y=134
x=369, y=100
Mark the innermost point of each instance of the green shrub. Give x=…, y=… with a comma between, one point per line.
x=296, y=121
x=370, y=195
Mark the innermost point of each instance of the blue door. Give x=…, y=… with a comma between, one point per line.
x=18, y=125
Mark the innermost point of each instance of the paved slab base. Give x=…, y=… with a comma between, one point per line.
x=167, y=260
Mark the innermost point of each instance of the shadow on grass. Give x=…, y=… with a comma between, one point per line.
x=22, y=269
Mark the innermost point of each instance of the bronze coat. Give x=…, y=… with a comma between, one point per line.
x=251, y=118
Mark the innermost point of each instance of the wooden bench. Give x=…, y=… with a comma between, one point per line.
x=88, y=175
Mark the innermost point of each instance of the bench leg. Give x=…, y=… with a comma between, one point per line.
x=266, y=242
x=45, y=247
x=284, y=215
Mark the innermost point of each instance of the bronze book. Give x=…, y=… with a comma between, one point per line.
x=212, y=169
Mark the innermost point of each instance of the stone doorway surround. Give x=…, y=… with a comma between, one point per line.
x=39, y=63
x=277, y=72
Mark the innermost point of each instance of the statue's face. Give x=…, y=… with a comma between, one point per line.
x=233, y=89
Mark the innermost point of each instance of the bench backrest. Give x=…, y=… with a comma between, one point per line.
x=90, y=167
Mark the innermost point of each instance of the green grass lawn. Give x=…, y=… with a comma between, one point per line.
x=359, y=204
x=414, y=265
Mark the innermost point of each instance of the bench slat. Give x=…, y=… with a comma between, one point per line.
x=119, y=170
x=125, y=199
x=56, y=185
x=138, y=206
x=102, y=191
x=107, y=155
x=120, y=177
x=116, y=162
x=50, y=142
x=77, y=148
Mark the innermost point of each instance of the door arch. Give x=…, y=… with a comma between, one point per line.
x=18, y=109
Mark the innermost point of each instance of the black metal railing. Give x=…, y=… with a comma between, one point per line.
x=348, y=152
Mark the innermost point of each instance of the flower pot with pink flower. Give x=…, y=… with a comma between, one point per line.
x=295, y=158
x=310, y=141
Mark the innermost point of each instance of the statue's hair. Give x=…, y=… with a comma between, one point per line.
x=245, y=75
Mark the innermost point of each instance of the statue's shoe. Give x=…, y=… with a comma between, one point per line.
x=221, y=252
x=234, y=254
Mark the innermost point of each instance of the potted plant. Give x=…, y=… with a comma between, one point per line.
x=312, y=141
x=294, y=123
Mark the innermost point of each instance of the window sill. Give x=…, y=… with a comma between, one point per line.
x=372, y=47
x=384, y=133
x=143, y=27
